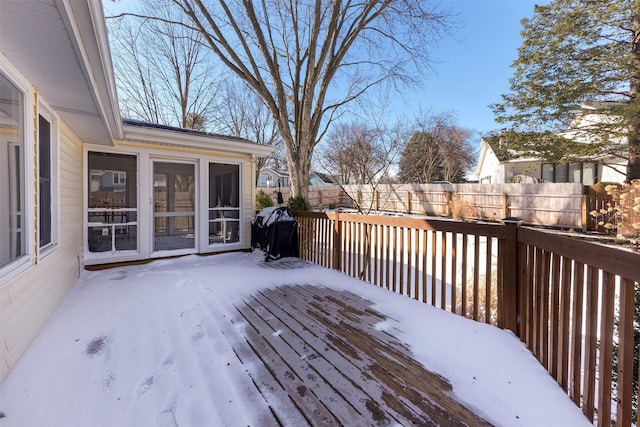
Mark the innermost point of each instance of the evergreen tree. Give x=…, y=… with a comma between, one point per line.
x=576, y=53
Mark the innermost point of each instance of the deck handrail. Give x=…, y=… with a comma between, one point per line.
x=572, y=302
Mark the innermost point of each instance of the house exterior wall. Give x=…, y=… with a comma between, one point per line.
x=491, y=170
x=29, y=299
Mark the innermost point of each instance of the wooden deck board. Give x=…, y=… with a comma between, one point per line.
x=316, y=356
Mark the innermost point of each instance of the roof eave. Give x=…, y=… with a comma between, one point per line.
x=205, y=142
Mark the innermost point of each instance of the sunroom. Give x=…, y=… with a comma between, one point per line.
x=163, y=191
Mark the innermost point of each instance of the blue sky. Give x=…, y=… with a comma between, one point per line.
x=473, y=66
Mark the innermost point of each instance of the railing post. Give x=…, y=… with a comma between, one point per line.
x=510, y=286
x=337, y=243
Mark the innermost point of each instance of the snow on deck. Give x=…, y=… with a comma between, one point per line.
x=230, y=340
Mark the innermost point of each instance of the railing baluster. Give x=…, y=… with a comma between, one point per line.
x=487, y=281
x=476, y=277
x=433, y=270
x=626, y=351
x=454, y=271
x=591, y=316
x=605, y=352
x=443, y=270
x=575, y=386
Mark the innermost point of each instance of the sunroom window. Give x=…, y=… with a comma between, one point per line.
x=224, y=203
x=12, y=197
x=112, y=214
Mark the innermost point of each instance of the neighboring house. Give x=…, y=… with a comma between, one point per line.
x=269, y=178
x=494, y=168
x=319, y=178
x=79, y=186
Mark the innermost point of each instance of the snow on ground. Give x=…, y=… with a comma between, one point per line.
x=125, y=349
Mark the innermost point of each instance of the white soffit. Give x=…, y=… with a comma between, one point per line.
x=59, y=46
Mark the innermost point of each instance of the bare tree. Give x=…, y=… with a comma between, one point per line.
x=240, y=112
x=163, y=72
x=356, y=153
x=438, y=150
x=308, y=59
x=362, y=156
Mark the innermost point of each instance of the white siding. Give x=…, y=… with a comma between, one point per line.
x=27, y=301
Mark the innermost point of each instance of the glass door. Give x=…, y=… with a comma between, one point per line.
x=173, y=206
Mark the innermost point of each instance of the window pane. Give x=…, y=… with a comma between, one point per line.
x=547, y=172
x=562, y=172
x=12, y=208
x=589, y=173
x=224, y=203
x=575, y=172
x=112, y=216
x=44, y=171
x=174, y=206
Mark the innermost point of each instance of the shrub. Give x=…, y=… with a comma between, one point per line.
x=622, y=216
x=461, y=209
x=299, y=203
x=263, y=200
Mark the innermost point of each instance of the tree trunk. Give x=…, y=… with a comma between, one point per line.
x=633, y=120
x=299, y=168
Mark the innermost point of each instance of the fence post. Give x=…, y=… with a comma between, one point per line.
x=505, y=206
x=510, y=286
x=585, y=209
x=337, y=243
x=377, y=199
x=408, y=205
x=447, y=203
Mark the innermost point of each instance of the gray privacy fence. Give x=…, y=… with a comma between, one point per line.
x=565, y=205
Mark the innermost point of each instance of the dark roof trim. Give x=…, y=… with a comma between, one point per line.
x=149, y=125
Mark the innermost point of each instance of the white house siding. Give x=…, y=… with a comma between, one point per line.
x=491, y=170
x=27, y=301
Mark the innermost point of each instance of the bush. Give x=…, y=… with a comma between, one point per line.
x=299, y=203
x=622, y=214
x=263, y=200
x=461, y=209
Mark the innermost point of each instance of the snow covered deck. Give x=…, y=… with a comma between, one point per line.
x=230, y=340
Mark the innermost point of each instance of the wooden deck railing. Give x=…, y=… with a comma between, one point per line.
x=572, y=302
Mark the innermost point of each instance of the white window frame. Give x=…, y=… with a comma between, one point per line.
x=47, y=113
x=240, y=209
x=17, y=266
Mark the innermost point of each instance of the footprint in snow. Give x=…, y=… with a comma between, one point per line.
x=166, y=419
x=205, y=290
x=151, y=379
x=197, y=333
x=181, y=283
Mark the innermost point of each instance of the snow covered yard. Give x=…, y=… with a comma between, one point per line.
x=155, y=345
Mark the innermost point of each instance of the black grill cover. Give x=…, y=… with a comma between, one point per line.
x=275, y=231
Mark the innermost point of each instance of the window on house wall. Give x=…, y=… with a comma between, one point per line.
x=585, y=173
x=112, y=214
x=119, y=177
x=45, y=185
x=12, y=170
x=224, y=203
